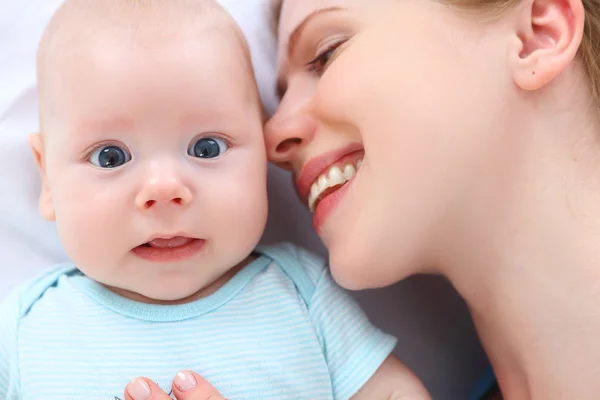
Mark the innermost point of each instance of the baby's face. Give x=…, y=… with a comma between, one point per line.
x=154, y=159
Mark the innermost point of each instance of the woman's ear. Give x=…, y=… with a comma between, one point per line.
x=548, y=35
x=46, y=205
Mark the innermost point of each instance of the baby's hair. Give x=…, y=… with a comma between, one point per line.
x=120, y=12
x=75, y=20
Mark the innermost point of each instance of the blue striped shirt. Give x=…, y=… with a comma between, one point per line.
x=279, y=329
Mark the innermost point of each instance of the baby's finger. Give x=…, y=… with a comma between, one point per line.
x=144, y=389
x=188, y=385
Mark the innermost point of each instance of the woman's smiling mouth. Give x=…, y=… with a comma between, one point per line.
x=331, y=180
x=325, y=174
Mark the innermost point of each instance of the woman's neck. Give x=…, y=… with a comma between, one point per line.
x=526, y=258
x=539, y=321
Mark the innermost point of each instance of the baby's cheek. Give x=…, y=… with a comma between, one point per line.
x=247, y=204
x=242, y=205
x=88, y=227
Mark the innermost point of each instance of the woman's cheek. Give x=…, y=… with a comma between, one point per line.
x=338, y=90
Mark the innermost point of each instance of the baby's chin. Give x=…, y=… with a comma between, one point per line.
x=172, y=285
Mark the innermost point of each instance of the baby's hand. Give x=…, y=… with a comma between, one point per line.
x=186, y=386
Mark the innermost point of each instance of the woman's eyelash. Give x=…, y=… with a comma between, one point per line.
x=319, y=63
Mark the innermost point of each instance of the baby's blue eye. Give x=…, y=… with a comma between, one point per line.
x=110, y=157
x=208, y=147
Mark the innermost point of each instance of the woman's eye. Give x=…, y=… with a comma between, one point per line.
x=208, y=148
x=321, y=61
x=109, y=157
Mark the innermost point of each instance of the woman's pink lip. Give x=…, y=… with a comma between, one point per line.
x=327, y=205
x=169, y=254
x=317, y=165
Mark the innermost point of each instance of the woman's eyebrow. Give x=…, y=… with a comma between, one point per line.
x=295, y=39
x=298, y=31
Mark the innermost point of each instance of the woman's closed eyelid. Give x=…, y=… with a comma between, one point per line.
x=320, y=33
x=324, y=59
x=329, y=42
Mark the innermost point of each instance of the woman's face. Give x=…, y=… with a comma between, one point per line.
x=389, y=111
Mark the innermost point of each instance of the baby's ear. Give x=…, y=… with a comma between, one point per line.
x=46, y=205
x=548, y=34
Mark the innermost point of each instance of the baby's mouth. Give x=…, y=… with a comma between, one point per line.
x=171, y=243
x=331, y=180
x=169, y=249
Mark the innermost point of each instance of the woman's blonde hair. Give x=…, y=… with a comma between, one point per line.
x=590, y=45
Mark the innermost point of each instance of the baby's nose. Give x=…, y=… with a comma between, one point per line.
x=162, y=191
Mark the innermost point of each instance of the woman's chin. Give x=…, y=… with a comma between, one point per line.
x=357, y=265
x=350, y=271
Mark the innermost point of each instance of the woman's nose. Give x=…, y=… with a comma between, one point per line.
x=286, y=133
x=163, y=188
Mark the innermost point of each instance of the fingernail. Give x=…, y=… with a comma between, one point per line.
x=185, y=381
x=139, y=389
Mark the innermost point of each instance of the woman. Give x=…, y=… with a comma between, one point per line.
x=474, y=125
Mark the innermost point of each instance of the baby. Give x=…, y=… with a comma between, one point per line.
x=153, y=167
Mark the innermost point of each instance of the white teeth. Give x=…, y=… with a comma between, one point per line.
x=314, y=190
x=335, y=177
x=349, y=172
x=331, y=178
x=322, y=182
